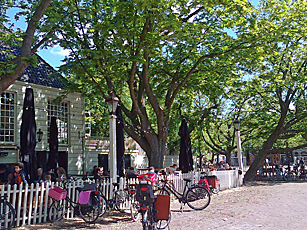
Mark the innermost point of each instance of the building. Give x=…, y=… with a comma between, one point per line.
x=69, y=112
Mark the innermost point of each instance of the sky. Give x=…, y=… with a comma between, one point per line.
x=53, y=55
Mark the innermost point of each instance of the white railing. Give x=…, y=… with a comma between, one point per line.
x=227, y=179
x=31, y=202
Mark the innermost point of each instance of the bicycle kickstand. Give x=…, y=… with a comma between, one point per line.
x=181, y=207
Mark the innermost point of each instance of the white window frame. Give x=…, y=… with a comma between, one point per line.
x=8, y=127
x=56, y=110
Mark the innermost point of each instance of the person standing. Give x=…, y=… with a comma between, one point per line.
x=19, y=175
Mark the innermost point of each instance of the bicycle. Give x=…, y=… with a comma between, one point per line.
x=119, y=198
x=62, y=203
x=147, y=202
x=7, y=214
x=211, y=183
x=195, y=196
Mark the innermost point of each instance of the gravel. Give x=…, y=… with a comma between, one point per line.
x=258, y=205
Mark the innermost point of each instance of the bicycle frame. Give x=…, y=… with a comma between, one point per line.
x=171, y=189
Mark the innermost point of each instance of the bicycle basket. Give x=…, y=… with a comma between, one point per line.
x=57, y=193
x=144, y=194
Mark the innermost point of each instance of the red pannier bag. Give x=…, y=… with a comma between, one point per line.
x=162, y=206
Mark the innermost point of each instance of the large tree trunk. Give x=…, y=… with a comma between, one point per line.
x=157, y=150
x=263, y=152
x=157, y=154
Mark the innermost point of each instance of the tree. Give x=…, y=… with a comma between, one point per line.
x=15, y=66
x=279, y=86
x=150, y=53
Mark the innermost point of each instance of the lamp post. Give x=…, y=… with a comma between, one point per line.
x=112, y=105
x=236, y=124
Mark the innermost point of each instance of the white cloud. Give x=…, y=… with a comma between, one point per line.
x=57, y=50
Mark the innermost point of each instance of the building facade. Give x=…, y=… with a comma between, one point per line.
x=48, y=87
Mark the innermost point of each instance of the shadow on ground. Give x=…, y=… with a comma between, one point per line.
x=271, y=183
x=77, y=223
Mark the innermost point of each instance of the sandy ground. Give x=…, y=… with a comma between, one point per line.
x=260, y=205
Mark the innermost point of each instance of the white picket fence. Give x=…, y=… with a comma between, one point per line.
x=31, y=202
x=227, y=179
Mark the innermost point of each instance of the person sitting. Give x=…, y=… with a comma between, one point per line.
x=40, y=177
x=211, y=168
x=50, y=172
x=47, y=179
x=151, y=170
x=131, y=173
x=95, y=173
x=61, y=174
x=3, y=177
x=10, y=179
x=221, y=167
x=19, y=175
x=227, y=167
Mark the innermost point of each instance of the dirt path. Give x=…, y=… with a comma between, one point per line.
x=255, y=206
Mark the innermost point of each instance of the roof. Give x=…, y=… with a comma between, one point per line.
x=42, y=74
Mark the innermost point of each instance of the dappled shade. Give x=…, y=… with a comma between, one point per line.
x=28, y=136
x=185, y=155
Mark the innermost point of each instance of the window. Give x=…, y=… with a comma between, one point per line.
x=7, y=117
x=61, y=112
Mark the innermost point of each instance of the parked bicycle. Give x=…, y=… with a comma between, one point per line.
x=211, y=183
x=7, y=214
x=195, y=196
x=88, y=209
x=148, y=208
x=122, y=200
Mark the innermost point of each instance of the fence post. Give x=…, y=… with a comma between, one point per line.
x=41, y=202
x=46, y=205
x=30, y=205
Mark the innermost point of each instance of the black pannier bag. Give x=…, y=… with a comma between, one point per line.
x=144, y=193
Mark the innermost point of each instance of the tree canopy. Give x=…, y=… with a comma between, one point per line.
x=152, y=53
x=209, y=62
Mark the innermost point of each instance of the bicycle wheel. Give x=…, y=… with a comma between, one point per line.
x=90, y=213
x=134, y=209
x=162, y=224
x=7, y=215
x=216, y=189
x=102, y=205
x=147, y=224
x=119, y=199
x=56, y=211
x=197, y=198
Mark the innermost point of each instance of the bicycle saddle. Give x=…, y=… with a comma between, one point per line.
x=187, y=180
